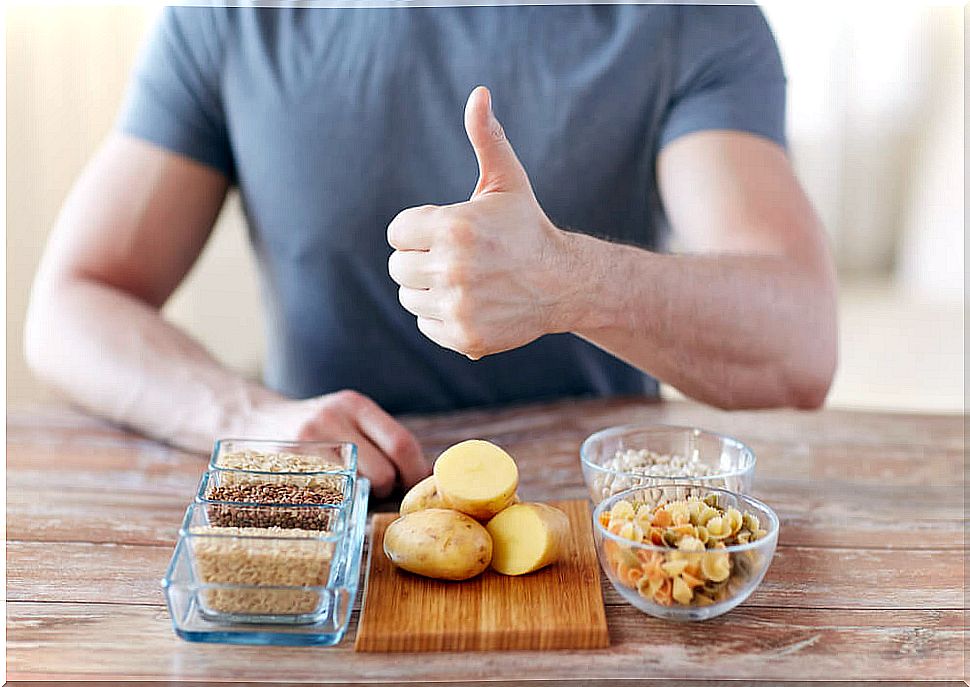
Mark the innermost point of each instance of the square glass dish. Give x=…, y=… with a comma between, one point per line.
x=230, y=503
x=237, y=588
x=290, y=457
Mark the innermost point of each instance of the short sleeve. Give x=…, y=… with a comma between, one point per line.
x=729, y=75
x=174, y=97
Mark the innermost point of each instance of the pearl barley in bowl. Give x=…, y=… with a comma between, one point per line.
x=619, y=458
x=684, y=552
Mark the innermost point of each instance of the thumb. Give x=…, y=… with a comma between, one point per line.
x=498, y=167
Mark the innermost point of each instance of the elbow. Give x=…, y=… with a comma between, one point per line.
x=805, y=391
x=37, y=339
x=811, y=394
x=808, y=384
x=801, y=382
x=45, y=328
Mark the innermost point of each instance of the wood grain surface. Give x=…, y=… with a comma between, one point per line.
x=867, y=582
x=558, y=607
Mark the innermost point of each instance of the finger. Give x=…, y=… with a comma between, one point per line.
x=498, y=167
x=371, y=461
x=375, y=466
x=413, y=229
x=395, y=441
x=420, y=302
x=435, y=330
x=411, y=268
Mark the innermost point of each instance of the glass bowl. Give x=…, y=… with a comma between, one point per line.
x=725, y=462
x=342, y=455
x=689, y=582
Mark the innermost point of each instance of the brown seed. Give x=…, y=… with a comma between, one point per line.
x=269, y=492
x=309, y=518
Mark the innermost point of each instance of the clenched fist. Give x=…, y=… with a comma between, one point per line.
x=489, y=274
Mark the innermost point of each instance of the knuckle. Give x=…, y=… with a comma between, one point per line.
x=461, y=307
x=455, y=273
x=398, y=227
x=328, y=415
x=306, y=432
x=392, y=266
x=382, y=479
x=461, y=233
x=395, y=229
x=402, y=444
x=406, y=298
x=348, y=398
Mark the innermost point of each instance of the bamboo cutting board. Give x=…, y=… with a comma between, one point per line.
x=558, y=607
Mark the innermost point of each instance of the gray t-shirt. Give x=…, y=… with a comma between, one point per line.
x=331, y=121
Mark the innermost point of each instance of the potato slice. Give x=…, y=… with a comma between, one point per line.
x=439, y=543
x=526, y=537
x=476, y=477
x=422, y=496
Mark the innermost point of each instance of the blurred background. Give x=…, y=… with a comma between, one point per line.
x=876, y=130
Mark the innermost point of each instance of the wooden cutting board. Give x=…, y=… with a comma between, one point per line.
x=559, y=607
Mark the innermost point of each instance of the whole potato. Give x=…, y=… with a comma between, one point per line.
x=422, y=496
x=439, y=543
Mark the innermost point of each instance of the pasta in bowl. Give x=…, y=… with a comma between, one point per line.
x=682, y=551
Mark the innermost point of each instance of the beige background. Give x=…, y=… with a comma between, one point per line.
x=875, y=122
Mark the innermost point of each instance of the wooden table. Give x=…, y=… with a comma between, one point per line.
x=867, y=582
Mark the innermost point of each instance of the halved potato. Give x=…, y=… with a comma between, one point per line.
x=476, y=477
x=527, y=537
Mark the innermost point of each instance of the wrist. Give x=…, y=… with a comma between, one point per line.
x=581, y=279
x=255, y=412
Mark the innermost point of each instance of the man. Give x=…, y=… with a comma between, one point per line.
x=627, y=125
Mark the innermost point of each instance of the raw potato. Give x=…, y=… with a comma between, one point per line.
x=526, y=537
x=422, y=496
x=477, y=478
x=439, y=543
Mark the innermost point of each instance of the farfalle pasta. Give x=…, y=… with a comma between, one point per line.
x=694, y=567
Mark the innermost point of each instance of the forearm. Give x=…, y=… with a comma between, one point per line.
x=117, y=357
x=731, y=330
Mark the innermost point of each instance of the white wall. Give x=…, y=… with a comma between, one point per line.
x=875, y=103
x=66, y=72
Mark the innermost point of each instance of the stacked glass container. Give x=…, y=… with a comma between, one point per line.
x=270, y=569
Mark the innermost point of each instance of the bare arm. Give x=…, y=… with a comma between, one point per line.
x=747, y=319
x=747, y=316
x=132, y=227
x=130, y=230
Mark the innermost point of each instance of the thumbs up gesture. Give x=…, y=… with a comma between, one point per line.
x=491, y=273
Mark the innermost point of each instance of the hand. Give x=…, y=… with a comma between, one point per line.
x=485, y=275
x=386, y=451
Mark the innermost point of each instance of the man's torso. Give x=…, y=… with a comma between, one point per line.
x=339, y=119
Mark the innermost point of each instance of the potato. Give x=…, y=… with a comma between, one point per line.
x=439, y=543
x=422, y=496
x=526, y=537
x=476, y=477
